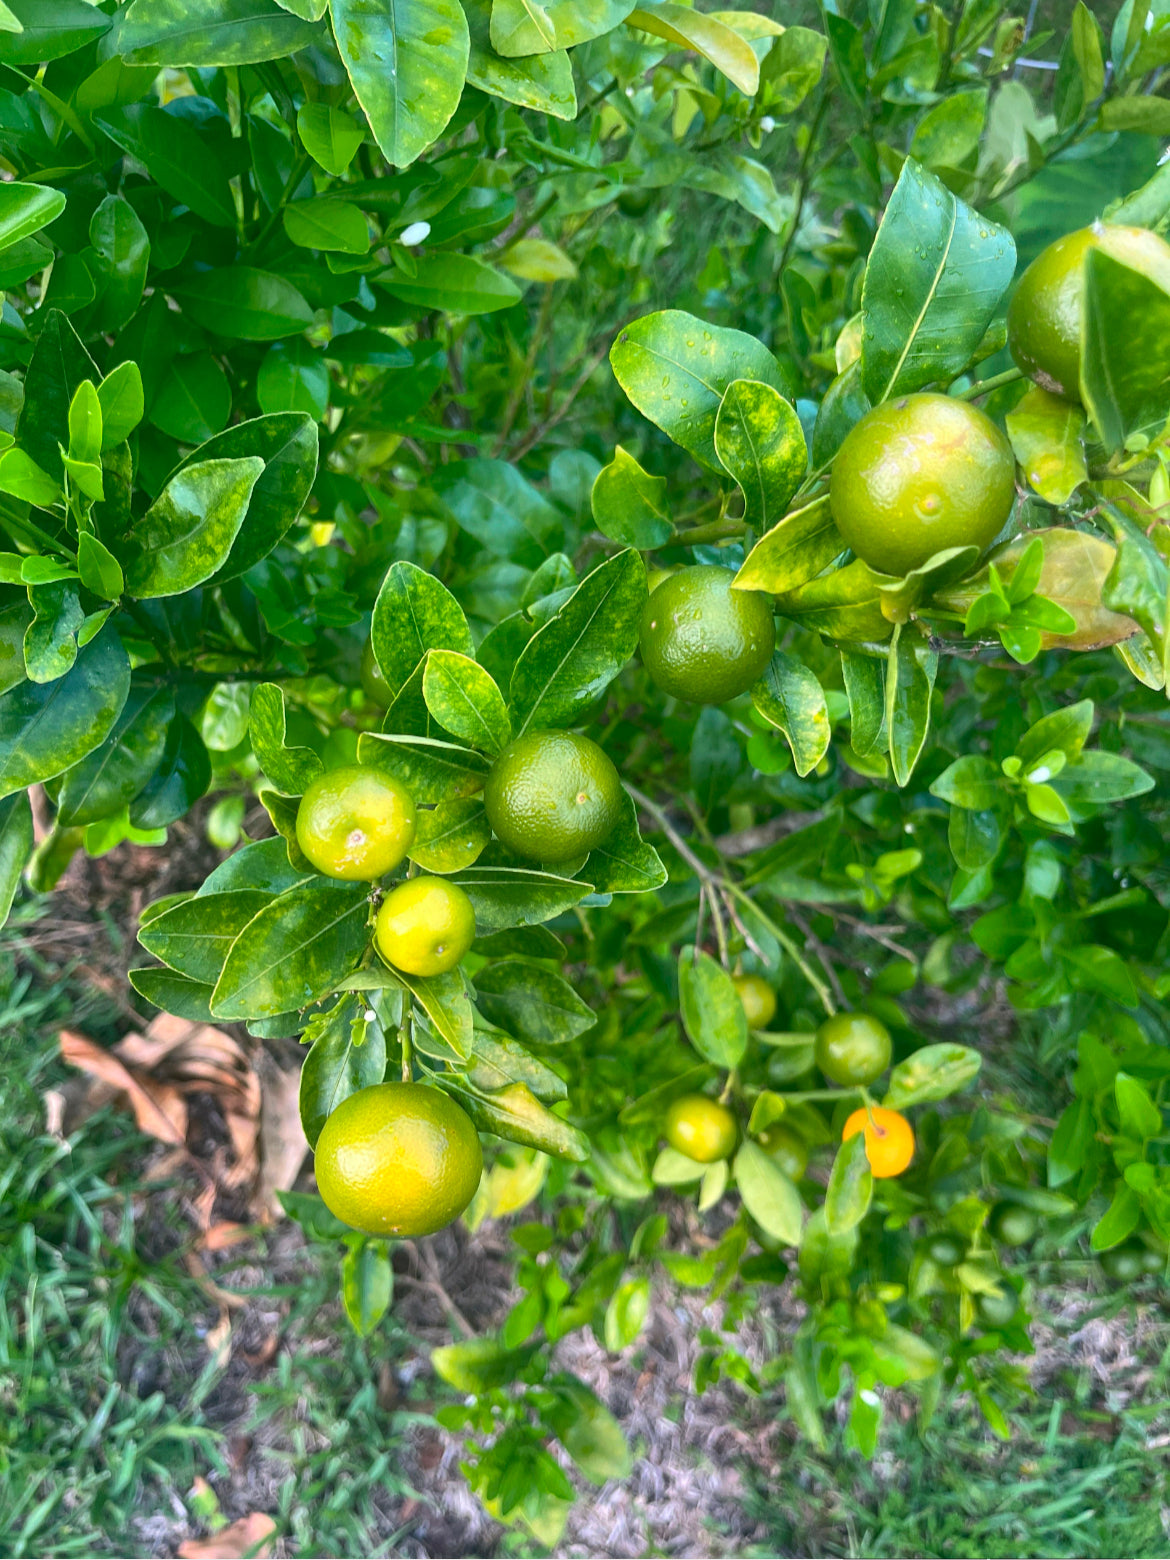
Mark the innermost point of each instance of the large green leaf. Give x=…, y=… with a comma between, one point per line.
x=294, y=951
x=264, y=864
x=933, y=1072
x=291, y=769
x=465, y=701
x=367, y=1284
x=329, y=135
x=46, y=728
x=114, y=773
x=759, y=440
x=514, y=896
x=182, y=776
x=690, y=28
x=445, y=1001
x=493, y=502
x=243, y=303
x=186, y=164
x=195, y=937
x=531, y=1002
x=712, y=1013
x=794, y=551
x=573, y=658
x=187, y=533
x=676, y=369
x=174, y=993
x=934, y=279
x=1046, y=433
x=629, y=505
x=526, y=27
x=451, y=836
x=1125, y=386
x=623, y=863
x=454, y=283
x=414, y=613
x=910, y=672
x=121, y=254
x=16, y=843
x=50, y=29
x=345, y=1054
x=768, y=1194
x=407, y=62
x=790, y=696
x=25, y=209
x=539, y=81
x=850, y=1188
x=209, y=33
x=432, y=771
x=516, y=1114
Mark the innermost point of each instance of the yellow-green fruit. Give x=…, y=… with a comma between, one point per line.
x=700, y=1128
x=1046, y=314
x=424, y=926
x=398, y=1159
x=355, y=823
x=373, y=680
x=701, y=640
x=853, y=1049
x=758, y=998
x=786, y=1149
x=920, y=474
x=552, y=796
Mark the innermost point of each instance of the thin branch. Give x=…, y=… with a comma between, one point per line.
x=535, y=435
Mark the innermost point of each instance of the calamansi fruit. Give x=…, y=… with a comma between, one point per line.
x=1012, y=1225
x=758, y=998
x=424, y=926
x=701, y=640
x=355, y=822
x=373, y=679
x=552, y=796
x=1046, y=314
x=700, y=1128
x=998, y=1310
x=398, y=1159
x=889, y=1139
x=853, y=1049
x=786, y=1149
x=920, y=474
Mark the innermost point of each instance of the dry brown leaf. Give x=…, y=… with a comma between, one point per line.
x=159, y=1109
x=257, y=1359
x=220, y=1236
x=219, y=1341
x=251, y=1535
x=222, y=1297
x=55, y=1114
x=283, y=1144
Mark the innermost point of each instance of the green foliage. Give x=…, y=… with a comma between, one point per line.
x=307, y=311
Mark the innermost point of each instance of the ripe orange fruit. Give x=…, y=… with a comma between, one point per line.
x=355, y=823
x=398, y=1159
x=424, y=926
x=889, y=1139
x=758, y=998
x=920, y=474
x=1047, y=309
x=700, y=1128
x=551, y=796
x=701, y=640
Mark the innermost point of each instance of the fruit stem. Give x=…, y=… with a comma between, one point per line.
x=406, y=1035
x=986, y=386
x=713, y=531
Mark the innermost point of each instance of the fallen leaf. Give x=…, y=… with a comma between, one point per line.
x=251, y=1535
x=159, y=1109
x=283, y=1144
x=220, y=1236
x=257, y=1359
x=219, y=1341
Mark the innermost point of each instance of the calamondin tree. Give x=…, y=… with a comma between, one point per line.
x=667, y=512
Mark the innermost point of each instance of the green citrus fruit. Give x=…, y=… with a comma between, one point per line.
x=946, y=1250
x=758, y=998
x=700, y=1128
x=853, y=1049
x=702, y=641
x=373, y=678
x=1012, y=1225
x=424, y=926
x=786, y=1149
x=998, y=1310
x=398, y=1159
x=919, y=474
x=635, y=202
x=355, y=823
x=552, y=796
x=1047, y=309
x=1125, y=1263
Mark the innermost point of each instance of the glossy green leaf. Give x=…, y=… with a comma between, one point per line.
x=329, y=135
x=208, y=33
x=50, y=29
x=414, y=613
x=59, y=364
x=626, y=1314
x=516, y=1114
x=843, y=604
x=176, y=155
x=85, y=423
x=114, y=773
x=629, y=505
x=345, y=1054
x=933, y=1072
x=46, y=728
x=50, y=643
x=588, y=1431
x=1046, y=433
x=1069, y=1145
x=23, y=478
x=182, y=776
x=1125, y=391
x=712, y=1013
x=243, y=304
x=768, y=1194
x=850, y=1189
x=531, y=1002
x=494, y=503
x=194, y=399
x=934, y=279
x=100, y=571
x=174, y=993
x=791, y=698
x=676, y=369
x=294, y=951
x=1119, y=1220
x=453, y=283
x=572, y=659
x=264, y=865
x=1066, y=730
x=865, y=686
x=16, y=846
x=407, y=62
x=691, y=29
x=518, y=29
x=465, y=700
x=623, y=863
x=450, y=836
x=759, y=440
x=26, y=209
x=538, y=80
x=326, y=223
x=911, y=669
x=196, y=936
x=121, y=252
x=290, y=769
x=504, y=897
x=293, y=377
x=431, y=770
x=367, y=1284
x=187, y=533
x=121, y=399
